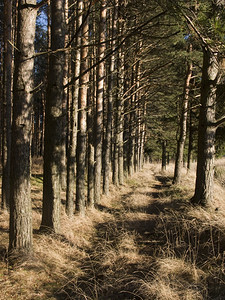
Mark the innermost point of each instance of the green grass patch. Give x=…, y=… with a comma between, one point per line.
x=37, y=180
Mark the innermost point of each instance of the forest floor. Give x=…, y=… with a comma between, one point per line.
x=145, y=241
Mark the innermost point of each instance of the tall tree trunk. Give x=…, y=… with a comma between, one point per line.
x=65, y=102
x=142, y=143
x=120, y=107
x=91, y=115
x=137, y=120
x=91, y=150
x=53, y=123
x=1, y=95
x=164, y=146
x=42, y=123
x=99, y=103
x=183, y=124
x=115, y=149
x=131, y=146
x=143, y=136
x=82, y=120
x=6, y=118
x=111, y=97
x=206, y=130
x=20, y=231
x=126, y=115
x=190, y=140
x=71, y=159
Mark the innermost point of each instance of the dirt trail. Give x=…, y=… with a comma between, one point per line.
x=145, y=241
x=124, y=244
x=152, y=245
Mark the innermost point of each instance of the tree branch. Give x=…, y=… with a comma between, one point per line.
x=43, y=2
x=219, y=122
x=200, y=36
x=81, y=26
x=34, y=6
x=194, y=27
x=135, y=31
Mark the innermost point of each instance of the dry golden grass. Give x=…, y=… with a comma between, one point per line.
x=144, y=242
x=173, y=278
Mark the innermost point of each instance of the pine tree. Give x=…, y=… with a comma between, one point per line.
x=7, y=102
x=82, y=119
x=71, y=156
x=99, y=103
x=20, y=231
x=53, y=123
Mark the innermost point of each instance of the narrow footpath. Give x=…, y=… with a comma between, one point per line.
x=144, y=241
x=144, y=248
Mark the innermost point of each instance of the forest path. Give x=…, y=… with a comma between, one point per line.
x=125, y=244
x=145, y=241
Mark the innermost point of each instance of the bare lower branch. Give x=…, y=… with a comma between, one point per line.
x=137, y=30
x=219, y=122
x=33, y=6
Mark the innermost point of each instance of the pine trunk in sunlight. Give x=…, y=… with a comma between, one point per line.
x=142, y=136
x=117, y=159
x=91, y=150
x=120, y=103
x=7, y=99
x=164, y=148
x=99, y=102
x=91, y=114
x=183, y=124
x=82, y=118
x=126, y=107
x=111, y=97
x=20, y=233
x=65, y=102
x=53, y=123
x=137, y=119
x=132, y=113
x=190, y=137
x=71, y=156
x=207, y=129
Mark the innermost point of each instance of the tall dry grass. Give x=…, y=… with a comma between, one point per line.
x=145, y=241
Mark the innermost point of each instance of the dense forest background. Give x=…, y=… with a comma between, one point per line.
x=97, y=88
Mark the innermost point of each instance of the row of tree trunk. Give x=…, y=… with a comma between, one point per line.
x=93, y=111
x=87, y=99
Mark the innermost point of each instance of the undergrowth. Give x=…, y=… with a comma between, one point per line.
x=145, y=241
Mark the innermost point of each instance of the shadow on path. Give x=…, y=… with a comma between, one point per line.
x=125, y=249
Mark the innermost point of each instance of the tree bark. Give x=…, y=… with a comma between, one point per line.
x=137, y=119
x=20, y=231
x=82, y=120
x=91, y=117
x=7, y=99
x=206, y=130
x=91, y=150
x=111, y=97
x=183, y=125
x=164, y=146
x=120, y=106
x=99, y=103
x=126, y=116
x=65, y=101
x=53, y=124
x=71, y=159
x=132, y=113
x=190, y=140
x=143, y=135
